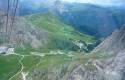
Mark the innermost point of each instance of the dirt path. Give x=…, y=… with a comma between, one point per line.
x=22, y=66
x=20, y=61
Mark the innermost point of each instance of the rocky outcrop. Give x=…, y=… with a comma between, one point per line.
x=6, y=50
x=22, y=33
x=116, y=69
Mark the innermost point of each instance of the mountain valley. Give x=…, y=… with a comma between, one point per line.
x=57, y=40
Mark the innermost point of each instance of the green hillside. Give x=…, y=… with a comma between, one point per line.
x=61, y=34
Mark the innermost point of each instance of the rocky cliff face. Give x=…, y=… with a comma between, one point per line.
x=22, y=33
x=113, y=44
x=114, y=48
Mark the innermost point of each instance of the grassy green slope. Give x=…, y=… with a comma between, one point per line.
x=52, y=24
x=60, y=32
x=9, y=65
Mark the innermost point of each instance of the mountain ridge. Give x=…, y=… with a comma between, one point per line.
x=106, y=19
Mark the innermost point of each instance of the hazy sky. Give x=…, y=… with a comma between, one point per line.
x=103, y=2
x=100, y=2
